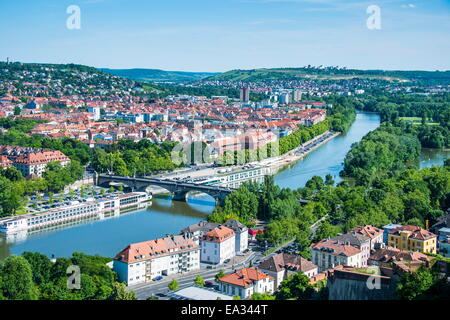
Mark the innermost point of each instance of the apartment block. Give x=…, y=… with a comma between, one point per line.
x=144, y=261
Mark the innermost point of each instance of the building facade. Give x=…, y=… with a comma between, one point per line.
x=413, y=238
x=144, y=261
x=374, y=234
x=244, y=283
x=328, y=254
x=359, y=241
x=241, y=235
x=35, y=163
x=282, y=265
x=218, y=245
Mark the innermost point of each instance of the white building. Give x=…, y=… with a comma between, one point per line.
x=282, y=265
x=218, y=245
x=198, y=230
x=144, y=261
x=35, y=163
x=374, y=234
x=328, y=254
x=245, y=282
x=241, y=235
x=96, y=112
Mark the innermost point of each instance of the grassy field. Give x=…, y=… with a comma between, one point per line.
x=418, y=120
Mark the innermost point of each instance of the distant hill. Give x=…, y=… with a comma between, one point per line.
x=158, y=75
x=433, y=77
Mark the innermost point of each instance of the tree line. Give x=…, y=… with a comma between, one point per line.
x=33, y=276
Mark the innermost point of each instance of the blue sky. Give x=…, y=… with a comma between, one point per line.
x=220, y=35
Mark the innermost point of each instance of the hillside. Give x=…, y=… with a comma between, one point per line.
x=431, y=77
x=158, y=75
x=59, y=80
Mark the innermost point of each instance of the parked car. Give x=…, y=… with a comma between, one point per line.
x=226, y=261
x=157, y=278
x=209, y=267
x=209, y=284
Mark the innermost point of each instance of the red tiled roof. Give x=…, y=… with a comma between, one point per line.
x=414, y=232
x=245, y=277
x=155, y=248
x=219, y=234
x=336, y=247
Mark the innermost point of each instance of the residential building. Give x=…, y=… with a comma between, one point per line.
x=384, y=257
x=284, y=98
x=218, y=245
x=388, y=228
x=5, y=162
x=358, y=240
x=196, y=231
x=35, y=163
x=245, y=94
x=241, y=235
x=282, y=265
x=245, y=282
x=444, y=247
x=297, y=95
x=143, y=261
x=413, y=238
x=329, y=253
x=374, y=234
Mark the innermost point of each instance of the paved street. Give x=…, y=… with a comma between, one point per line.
x=145, y=290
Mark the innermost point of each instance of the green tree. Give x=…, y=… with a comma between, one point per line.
x=325, y=230
x=17, y=279
x=199, y=281
x=329, y=181
x=219, y=275
x=262, y=296
x=40, y=265
x=173, y=285
x=296, y=286
x=120, y=292
x=413, y=284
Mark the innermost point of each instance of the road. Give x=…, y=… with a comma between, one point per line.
x=209, y=170
x=145, y=290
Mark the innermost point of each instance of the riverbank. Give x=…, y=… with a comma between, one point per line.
x=105, y=237
x=300, y=152
x=273, y=163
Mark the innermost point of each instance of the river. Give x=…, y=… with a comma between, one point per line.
x=108, y=236
x=328, y=158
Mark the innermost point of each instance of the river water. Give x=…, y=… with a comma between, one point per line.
x=328, y=158
x=108, y=236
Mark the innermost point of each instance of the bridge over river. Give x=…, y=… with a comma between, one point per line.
x=179, y=190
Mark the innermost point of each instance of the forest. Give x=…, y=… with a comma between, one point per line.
x=433, y=129
x=33, y=276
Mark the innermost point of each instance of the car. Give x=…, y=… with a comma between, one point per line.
x=226, y=261
x=157, y=278
x=160, y=295
x=209, y=284
x=209, y=267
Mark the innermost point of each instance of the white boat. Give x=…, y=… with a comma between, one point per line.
x=73, y=211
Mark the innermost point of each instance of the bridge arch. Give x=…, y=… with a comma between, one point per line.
x=177, y=189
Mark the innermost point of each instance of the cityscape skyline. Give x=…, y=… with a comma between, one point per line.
x=203, y=37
